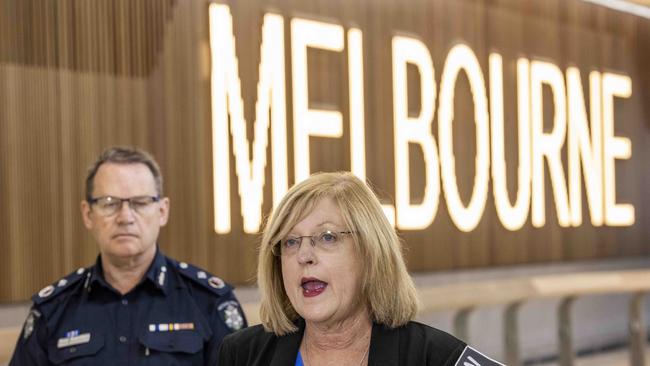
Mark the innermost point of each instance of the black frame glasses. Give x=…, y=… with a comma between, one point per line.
x=111, y=205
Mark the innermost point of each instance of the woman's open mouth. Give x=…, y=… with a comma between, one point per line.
x=312, y=286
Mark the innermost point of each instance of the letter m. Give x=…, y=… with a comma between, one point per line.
x=227, y=101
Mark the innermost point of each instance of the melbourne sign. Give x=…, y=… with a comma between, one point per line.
x=580, y=151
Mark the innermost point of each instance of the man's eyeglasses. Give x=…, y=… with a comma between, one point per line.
x=109, y=205
x=325, y=242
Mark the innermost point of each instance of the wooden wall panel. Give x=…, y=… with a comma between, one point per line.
x=78, y=76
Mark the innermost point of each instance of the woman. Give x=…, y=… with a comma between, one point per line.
x=335, y=290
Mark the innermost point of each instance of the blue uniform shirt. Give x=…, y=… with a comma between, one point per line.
x=177, y=315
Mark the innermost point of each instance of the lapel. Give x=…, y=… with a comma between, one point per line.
x=287, y=346
x=384, y=346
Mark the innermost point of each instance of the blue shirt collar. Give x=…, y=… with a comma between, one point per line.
x=158, y=274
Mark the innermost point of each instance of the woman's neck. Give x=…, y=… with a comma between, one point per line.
x=344, y=342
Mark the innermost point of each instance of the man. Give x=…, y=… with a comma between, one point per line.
x=134, y=306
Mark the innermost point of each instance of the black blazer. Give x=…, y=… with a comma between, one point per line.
x=412, y=344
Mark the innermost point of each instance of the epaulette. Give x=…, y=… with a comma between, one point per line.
x=51, y=291
x=206, y=280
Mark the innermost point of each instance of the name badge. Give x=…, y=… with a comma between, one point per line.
x=73, y=340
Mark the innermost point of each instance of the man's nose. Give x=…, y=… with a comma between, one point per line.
x=125, y=213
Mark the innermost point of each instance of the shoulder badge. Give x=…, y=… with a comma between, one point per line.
x=472, y=357
x=231, y=314
x=28, y=327
x=51, y=291
x=206, y=280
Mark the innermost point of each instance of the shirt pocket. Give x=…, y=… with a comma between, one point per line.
x=180, y=343
x=77, y=355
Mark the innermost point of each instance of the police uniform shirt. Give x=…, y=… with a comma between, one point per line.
x=177, y=315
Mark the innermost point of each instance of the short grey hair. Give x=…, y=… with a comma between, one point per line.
x=123, y=155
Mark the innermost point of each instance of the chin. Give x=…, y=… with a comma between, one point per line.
x=122, y=249
x=315, y=314
x=315, y=319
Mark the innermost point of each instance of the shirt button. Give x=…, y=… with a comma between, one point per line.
x=125, y=302
x=123, y=339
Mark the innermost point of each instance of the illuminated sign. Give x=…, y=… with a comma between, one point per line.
x=592, y=148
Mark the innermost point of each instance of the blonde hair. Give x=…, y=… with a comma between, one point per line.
x=387, y=287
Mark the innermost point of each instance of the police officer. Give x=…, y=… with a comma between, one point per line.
x=134, y=306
